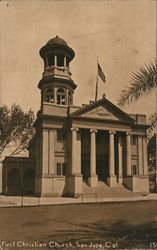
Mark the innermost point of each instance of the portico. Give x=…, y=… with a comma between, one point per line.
x=114, y=175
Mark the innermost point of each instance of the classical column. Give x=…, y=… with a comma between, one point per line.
x=45, y=151
x=120, y=159
x=51, y=153
x=65, y=60
x=76, y=152
x=48, y=162
x=93, y=179
x=73, y=150
x=128, y=155
x=112, y=180
x=75, y=182
x=55, y=60
x=46, y=179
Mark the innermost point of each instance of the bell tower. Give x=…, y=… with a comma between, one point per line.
x=56, y=85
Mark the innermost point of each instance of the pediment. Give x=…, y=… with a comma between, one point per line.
x=100, y=112
x=102, y=109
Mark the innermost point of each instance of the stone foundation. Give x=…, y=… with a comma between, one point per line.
x=137, y=184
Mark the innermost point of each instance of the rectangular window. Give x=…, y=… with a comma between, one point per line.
x=134, y=170
x=61, y=169
x=61, y=134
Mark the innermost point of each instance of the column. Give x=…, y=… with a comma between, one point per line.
x=46, y=180
x=93, y=179
x=112, y=180
x=120, y=160
x=65, y=61
x=75, y=178
x=51, y=156
x=128, y=155
x=74, y=153
x=55, y=60
x=45, y=151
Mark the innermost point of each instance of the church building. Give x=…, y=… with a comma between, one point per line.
x=77, y=146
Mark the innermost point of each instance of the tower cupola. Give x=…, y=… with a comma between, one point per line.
x=56, y=84
x=56, y=53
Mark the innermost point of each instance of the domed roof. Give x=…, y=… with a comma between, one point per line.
x=57, y=44
x=57, y=40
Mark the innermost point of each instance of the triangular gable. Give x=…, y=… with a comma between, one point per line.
x=103, y=109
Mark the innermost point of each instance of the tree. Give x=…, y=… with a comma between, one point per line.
x=142, y=82
x=15, y=129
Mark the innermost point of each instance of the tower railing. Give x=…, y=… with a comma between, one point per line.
x=57, y=70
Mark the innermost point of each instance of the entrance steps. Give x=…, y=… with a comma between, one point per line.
x=103, y=190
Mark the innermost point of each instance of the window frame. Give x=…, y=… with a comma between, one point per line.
x=134, y=169
x=61, y=94
x=62, y=172
x=49, y=95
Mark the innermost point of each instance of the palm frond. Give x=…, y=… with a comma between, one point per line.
x=151, y=131
x=141, y=83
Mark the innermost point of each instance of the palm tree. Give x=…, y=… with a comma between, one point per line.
x=142, y=82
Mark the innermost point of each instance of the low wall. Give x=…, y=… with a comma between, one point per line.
x=137, y=183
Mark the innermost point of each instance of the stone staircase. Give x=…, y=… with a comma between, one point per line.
x=103, y=190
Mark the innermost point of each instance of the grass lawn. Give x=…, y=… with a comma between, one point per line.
x=130, y=225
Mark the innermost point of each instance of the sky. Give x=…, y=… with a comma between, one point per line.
x=121, y=33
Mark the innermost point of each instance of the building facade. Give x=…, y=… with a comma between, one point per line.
x=73, y=144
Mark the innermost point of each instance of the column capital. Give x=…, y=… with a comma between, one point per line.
x=74, y=129
x=128, y=133
x=93, y=130
x=112, y=132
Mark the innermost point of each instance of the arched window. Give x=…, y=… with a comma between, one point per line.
x=61, y=96
x=69, y=98
x=49, y=95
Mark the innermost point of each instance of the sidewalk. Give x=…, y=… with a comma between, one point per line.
x=18, y=201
